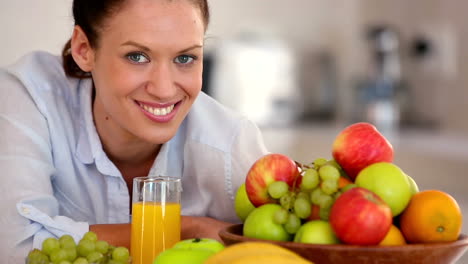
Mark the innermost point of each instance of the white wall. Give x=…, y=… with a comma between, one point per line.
x=27, y=25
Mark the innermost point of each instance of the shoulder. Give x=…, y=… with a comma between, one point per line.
x=43, y=77
x=213, y=124
x=37, y=63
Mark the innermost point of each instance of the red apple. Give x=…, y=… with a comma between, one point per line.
x=360, y=217
x=360, y=145
x=268, y=169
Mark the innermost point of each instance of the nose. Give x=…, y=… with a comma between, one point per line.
x=161, y=81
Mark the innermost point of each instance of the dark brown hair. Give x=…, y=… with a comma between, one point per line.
x=90, y=16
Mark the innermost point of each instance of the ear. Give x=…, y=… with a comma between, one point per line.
x=81, y=50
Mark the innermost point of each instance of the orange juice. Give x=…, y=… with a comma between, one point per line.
x=154, y=229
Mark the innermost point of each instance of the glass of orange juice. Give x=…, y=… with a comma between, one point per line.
x=155, y=217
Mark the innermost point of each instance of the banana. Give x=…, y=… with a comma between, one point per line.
x=269, y=259
x=249, y=251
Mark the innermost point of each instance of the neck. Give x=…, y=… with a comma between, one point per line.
x=122, y=147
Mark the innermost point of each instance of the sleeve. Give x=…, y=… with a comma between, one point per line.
x=248, y=147
x=206, y=194
x=29, y=208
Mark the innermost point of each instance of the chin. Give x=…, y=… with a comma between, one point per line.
x=160, y=135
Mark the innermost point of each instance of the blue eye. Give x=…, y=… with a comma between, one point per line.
x=184, y=59
x=137, y=57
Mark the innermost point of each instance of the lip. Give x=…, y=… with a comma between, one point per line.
x=158, y=118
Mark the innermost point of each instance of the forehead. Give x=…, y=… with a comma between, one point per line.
x=156, y=16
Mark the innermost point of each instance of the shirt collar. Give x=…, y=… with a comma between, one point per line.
x=170, y=159
x=89, y=148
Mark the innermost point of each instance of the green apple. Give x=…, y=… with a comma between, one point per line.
x=183, y=256
x=413, y=185
x=200, y=243
x=260, y=224
x=316, y=232
x=389, y=182
x=242, y=205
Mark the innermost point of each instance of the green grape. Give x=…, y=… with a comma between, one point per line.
x=329, y=186
x=64, y=262
x=325, y=201
x=278, y=189
x=94, y=257
x=66, y=241
x=50, y=245
x=67, y=244
x=293, y=224
x=281, y=216
x=90, y=235
x=324, y=213
x=36, y=256
x=85, y=247
x=102, y=246
x=80, y=260
x=319, y=162
x=120, y=254
x=71, y=253
x=315, y=195
x=333, y=163
x=58, y=255
x=302, y=208
x=310, y=180
x=111, y=261
x=286, y=201
x=348, y=187
x=328, y=172
x=303, y=195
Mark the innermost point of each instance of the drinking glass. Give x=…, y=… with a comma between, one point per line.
x=155, y=217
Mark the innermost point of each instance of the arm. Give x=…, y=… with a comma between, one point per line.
x=201, y=227
x=28, y=205
x=114, y=234
x=192, y=227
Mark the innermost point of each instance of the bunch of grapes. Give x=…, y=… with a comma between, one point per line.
x=88, y=250
x=312, y=198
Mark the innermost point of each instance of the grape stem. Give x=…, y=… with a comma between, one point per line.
x=300, y=167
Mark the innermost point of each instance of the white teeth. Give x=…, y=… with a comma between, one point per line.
x=157, y=111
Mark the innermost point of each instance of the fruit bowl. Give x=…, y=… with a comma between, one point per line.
x=434, y=253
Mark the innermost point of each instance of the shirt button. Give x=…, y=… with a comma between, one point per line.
x=25, y=210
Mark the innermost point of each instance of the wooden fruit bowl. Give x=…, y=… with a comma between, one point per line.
x=434, y=253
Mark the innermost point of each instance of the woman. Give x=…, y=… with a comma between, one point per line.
x=126, y=103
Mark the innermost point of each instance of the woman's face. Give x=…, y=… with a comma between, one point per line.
x=147, y=69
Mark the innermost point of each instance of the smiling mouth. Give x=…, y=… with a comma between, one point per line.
x=157, y=111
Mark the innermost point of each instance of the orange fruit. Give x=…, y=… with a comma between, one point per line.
x=431, y=216
x=394, y=237
x=343, y=181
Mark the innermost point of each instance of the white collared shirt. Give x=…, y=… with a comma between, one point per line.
x=56, y=179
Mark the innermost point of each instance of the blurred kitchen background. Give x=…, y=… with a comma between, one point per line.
x=305, y=69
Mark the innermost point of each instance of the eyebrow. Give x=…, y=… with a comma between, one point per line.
x=132, y=43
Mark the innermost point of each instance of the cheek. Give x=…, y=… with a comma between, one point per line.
x=118, y=79
x=193, y=82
